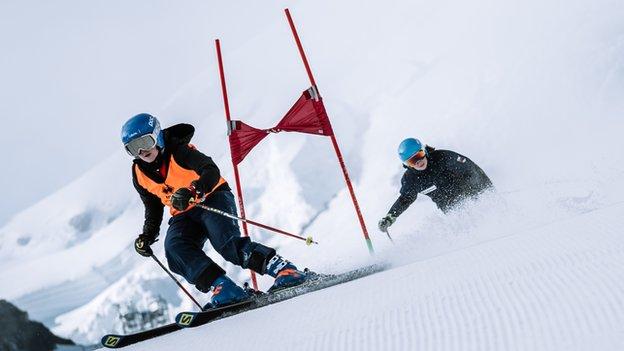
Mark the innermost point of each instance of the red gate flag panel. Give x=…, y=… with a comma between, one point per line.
x=243, y=138
x=307, y=115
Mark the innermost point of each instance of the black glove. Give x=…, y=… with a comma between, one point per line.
x=142, y=245
x=181, y=198
x=386, y=222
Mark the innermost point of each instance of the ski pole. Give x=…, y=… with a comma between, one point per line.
x=177, y=282
x=308, y=240
x=388, y=234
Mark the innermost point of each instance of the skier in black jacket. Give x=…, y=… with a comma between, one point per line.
x=447, y=177
x=168, y=171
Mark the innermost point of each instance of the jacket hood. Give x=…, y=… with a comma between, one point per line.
x=178, y=134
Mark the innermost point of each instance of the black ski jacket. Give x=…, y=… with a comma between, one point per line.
x=176, y=138
x=449, y=179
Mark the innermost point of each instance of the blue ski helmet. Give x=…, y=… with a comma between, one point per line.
x=409, y=147
x=138, y=126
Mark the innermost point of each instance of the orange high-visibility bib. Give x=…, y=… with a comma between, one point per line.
x=177, y=177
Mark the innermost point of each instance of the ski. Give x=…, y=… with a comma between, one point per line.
x=114, y=341
x=316, y=282
x=192, y=319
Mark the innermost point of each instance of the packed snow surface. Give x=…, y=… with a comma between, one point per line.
x=556, y=287
x=532, y=91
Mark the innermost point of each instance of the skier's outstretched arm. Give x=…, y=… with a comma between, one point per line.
x=154, y=209
x=400, y=205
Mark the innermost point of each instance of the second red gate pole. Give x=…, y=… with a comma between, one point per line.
x=239, y=189
x=369, y=243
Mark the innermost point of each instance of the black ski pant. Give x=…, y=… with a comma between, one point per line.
x=189, y=231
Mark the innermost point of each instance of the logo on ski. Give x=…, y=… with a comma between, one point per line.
x=186, y=319
x=112, y=341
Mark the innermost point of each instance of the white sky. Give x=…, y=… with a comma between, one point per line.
x=73, y=71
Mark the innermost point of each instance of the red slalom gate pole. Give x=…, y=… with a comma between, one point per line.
x=239, y=190
x=369, y=243
x=300, y=47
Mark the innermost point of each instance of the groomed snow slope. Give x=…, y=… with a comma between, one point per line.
x=556, y=287
x=530, y=90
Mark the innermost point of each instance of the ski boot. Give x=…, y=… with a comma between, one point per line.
x=225, y=292
x=285, y=273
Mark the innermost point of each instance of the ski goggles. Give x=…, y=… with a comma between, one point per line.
x=415, y=158
x=142, y=143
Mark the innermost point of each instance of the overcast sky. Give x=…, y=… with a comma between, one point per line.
x=71, y=72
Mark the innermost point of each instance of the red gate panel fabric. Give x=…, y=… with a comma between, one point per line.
x=307, y=115
x=243, y=138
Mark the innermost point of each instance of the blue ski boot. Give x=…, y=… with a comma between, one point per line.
x=285, y=273
x=225, y=292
